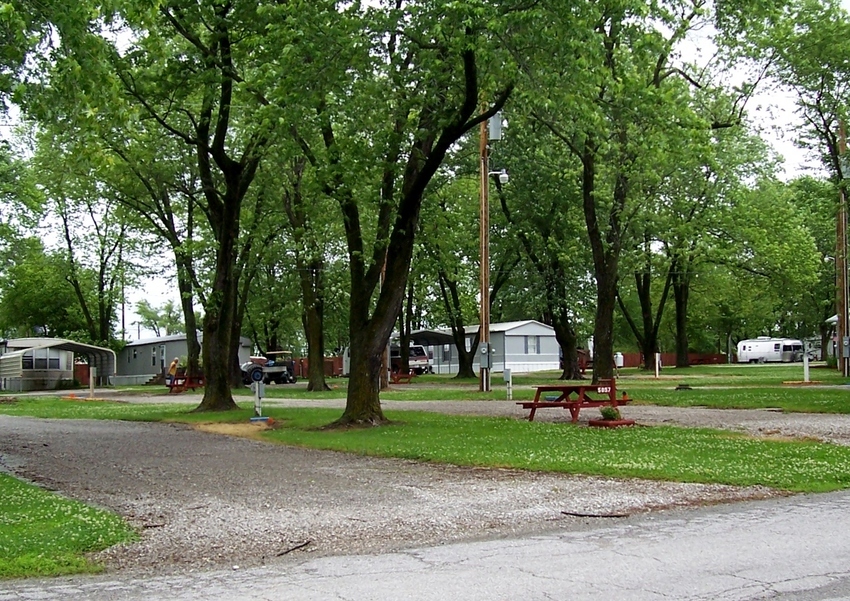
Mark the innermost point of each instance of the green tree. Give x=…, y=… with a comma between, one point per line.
x=546, y=219
x=617, y=104
x=21, y=202
x=815, y=199
x=164, y=320
x=94, y=230
x=37, y=298
x=448, y=238
x=415, y=92
x=770, y=250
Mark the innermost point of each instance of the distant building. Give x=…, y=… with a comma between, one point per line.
x=142, y=360
x=521, y=346
x=48, y=363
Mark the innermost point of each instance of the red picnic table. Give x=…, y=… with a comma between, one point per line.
x=575, y=397
x=397, y=377
x=182, y=383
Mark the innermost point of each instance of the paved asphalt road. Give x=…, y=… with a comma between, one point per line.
x=795, y=548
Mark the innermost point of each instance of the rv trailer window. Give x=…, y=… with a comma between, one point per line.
x=776, y=347
x=787, y=347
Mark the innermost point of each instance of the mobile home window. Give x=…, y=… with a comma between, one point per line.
x=54, y=358
x=26, y=361
x=41, y=359
x=153, y=357
x=532, y=345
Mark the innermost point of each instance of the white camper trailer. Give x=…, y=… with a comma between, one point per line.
x=770, y=350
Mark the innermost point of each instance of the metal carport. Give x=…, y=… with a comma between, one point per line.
x=103, y=359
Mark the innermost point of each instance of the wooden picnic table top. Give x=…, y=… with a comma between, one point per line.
x=582, y=398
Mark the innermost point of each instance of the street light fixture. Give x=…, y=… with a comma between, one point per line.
x=504, y=178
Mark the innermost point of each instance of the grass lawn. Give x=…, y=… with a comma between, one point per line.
x=43, y=534
x=659, y=453
x=664, y=453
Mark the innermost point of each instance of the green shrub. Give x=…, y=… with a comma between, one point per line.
x=610, y=413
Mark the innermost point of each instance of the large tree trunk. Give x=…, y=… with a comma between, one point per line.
x=649, y=348
x=566, y=337
x=368, y=341
x=438, y=128
x=452, y=304
x=603, y=331
x=466, y=359
x=405, y=327
x=310, y=267
x=186, y=288
x=681, y=292
x=364, y=405
x=647, y=335
x=312, y=297
x=221, y=315
x=606, y=256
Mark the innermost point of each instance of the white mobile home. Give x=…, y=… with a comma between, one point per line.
x=521, y=346
x=765, y=349
x=142, y=360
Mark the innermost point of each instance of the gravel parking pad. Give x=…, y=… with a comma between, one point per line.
x=207, y=500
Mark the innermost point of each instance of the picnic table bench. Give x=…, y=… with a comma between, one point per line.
x=397, y=377
x=182, y=383
x=575, y=397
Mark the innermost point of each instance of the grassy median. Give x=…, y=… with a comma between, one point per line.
x=43, y=534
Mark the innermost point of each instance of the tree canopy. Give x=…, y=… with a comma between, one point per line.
x=310, y=169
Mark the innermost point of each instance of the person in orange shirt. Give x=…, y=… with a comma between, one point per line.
x=172, y=371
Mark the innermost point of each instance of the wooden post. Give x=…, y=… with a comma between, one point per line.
x=843, y=362
x=484, y=238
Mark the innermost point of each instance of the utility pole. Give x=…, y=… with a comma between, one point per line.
x=841, y=354
x=484, y=239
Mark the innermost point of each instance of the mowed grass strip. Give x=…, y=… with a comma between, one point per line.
x=789, y=399
x=658, y=453
x=43, y=534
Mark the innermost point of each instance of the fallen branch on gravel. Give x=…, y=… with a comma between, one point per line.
x=157, y=525
x=295, y=548
x=596, y=515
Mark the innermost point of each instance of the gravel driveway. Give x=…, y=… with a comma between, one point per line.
x=208, y=500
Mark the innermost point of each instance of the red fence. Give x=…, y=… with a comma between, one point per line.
x=333, y=367
x=81, y=373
